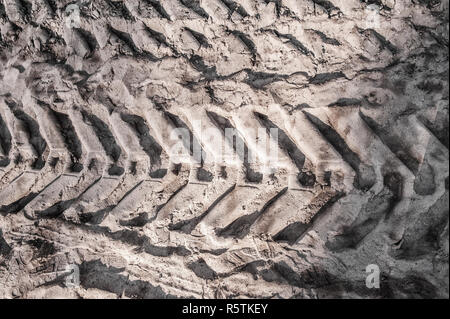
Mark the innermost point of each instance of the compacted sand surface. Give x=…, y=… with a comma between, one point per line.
x=114, y=116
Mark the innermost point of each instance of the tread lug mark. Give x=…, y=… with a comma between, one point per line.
x=3, y=12
x=187, y=226
x=5, y=249
x=134, y=238
x=199, y=37
x=159, y=173
x=383, y=41
x=208, y=72
x=5, y=142
x=159, y=8
x=323, y=78
x=259, y=80
x=194, y=5
x=111, y=279
x=365, y=177
x=328, y=6
x=193, y=146
x=223, y=123
x=59, y=208
x=107, y=140
x=289, y=147
x=326, y=39
x=148, y=143
x=25, y=9
x=34, y=135
x=296, y=231
x=293, y=41
x=126, y=40
x=171, y=197
x=70, y=137
x=101, y=96
x=425, y=235
x=278, y=5
x=202, y=270
x=89, y=39
x=28, y=182
x=233, y=6
x=53, y=193
x=394, y=144
x=4, y=161
x=139, y=221
x=51, y=4
x=241, y=226
x=17, y=169
x=424, y=182
x=100, y=215
x=122, y=9
x=343, y=102
x=160, y=38
x=296, y=205
x=247, y=42
x=377, y=208
x=440, y=128
x=20, y=204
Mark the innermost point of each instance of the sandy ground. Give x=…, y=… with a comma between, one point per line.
x=351, y=97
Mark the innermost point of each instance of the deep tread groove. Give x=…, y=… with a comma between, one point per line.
x=32, y=127
x=327, y=39
x=90, y=41
x=70, y=137
x=289, y=147
x=249, y=44
x=241, y=226
x=378, y=208
x=102, y=187
x=5, y=142
x=187, y=226
x=199, y=37
x=60, y=207
x=20, y=204
x=121, y=9
x=148, y=143
x=97, y=217
x=233, y=6
x=293, y=41
x=106, y=138
x=194, y=5
x=159, y=8
x=128, y=42
x=296, y=231
x=328, y=6
x=193, y=146
x=365, y=178
x=223, y=123
x=323, y=78
x=394, y=144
